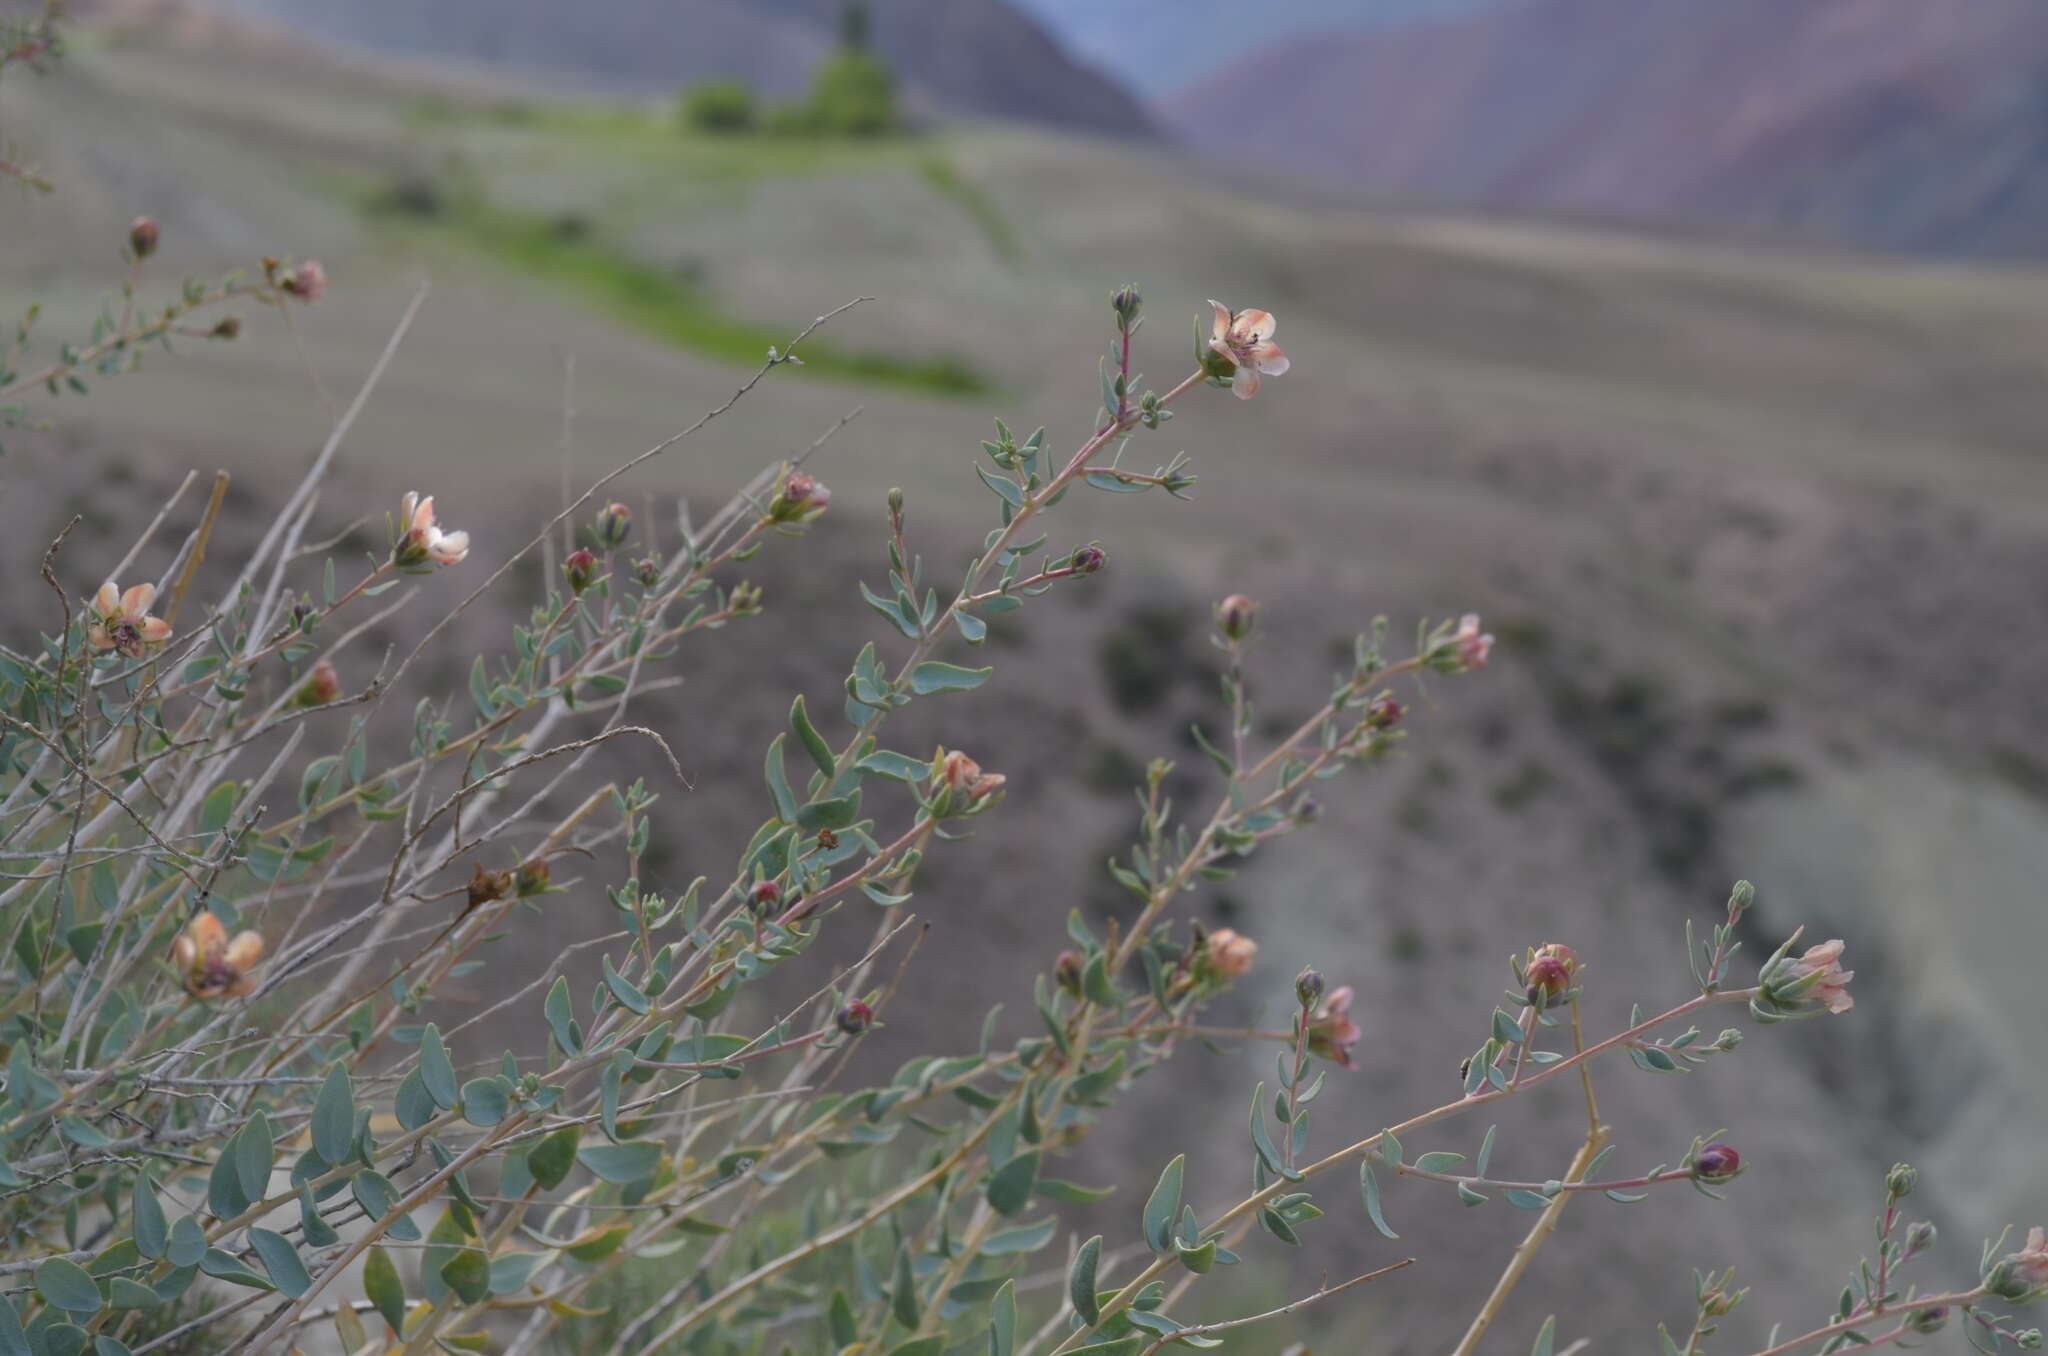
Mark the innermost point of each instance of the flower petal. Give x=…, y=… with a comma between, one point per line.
x=1222, y=325
x=155, y=629
x=107, y=602
x=1268, y=358
x=423, y=516
x=135, y=602
x=1244, y=383
x=1255, y=326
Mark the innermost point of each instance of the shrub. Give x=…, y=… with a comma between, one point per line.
x=719, y=107
x=239, y=883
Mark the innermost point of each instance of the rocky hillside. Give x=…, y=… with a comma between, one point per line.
x=1920, y=124
x=984, y=57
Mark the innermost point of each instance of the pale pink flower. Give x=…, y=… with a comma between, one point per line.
x=961, y=776
x=1473, y=646
x=1832, y=988
x=2019, y=1275
x=421, y=538
x=1246, y=339
x=307, y=281
x=122, y=621
x=1231, y=952
x=1331, y=1032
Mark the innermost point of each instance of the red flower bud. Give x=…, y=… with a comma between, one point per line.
x=614, y=524
x=1236, y=615
x=579, y=569
x=765, y=895
x=1717, y=1163
x=855, y=1018
x=142, y=237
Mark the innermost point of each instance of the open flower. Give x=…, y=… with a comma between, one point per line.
x=1473, y=644
x=1230, y=952
x=307, y=281
x=214, y=966
x=1331, y=1032
x=959, y=786
x=420, y=539
x=2019, y=1275
x=799, y=498
x=1245, y=342
x=1802, y=986
x=121, y=621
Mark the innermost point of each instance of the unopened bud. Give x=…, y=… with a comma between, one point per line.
x=800, y=498
x=532, y=877
x=1308, y=987
x=1900, y=1180
x=322, y=686
x=1551, y=970
x=307, y=282
x=1384, y=713
x=142, y=237
x=1307, y=810
x=765, y=895
x=855, y=1018
x=1928, y=1320
x=228, y=327
x=1739, y=899
x=614, y=524
x=1920, y=1236
x=1717, y=1163
x=1088, y=560
x=895, y=501
x=648, y=572
x=1729, y=1038
x=1236, y=615
x=1066, y=971
x=579, y=569
x=1126, y=302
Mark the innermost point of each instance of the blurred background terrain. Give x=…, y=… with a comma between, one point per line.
x=1701, y=347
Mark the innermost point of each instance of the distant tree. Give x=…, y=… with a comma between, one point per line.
x=854, y=94
x=721, y=106
x=854, y=25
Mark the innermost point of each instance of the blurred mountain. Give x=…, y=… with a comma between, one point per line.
x=1918, y=124
x=974, y=56
x=1158, y=46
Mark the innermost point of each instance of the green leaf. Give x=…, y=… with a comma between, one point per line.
x=1263, y=1142
x=68, y=1286
x=334, y=1118
x=933, y=676
x=412, y=1103
x=1072, y=1193
x=920, y=1346
x=225, y=1266
x=281, y=1260
x=1002, y=1321
x=1081, y=1281
x=1370, y=1185
x=622, y=1164
x=254, y=1156
x=1163, y=1206
x=383, y=1289
x=437, y=1069
x=1009, y=1187
x=480, y=689
x=903, y=1301
x=839, y=1316
x=550, y=1160
x=1439, y=1161
x=13, y=1341
x=1485, y=1152
x=1006, y=489
x=147, y=1217
x=778, y=782
x=187, y=1243
x=224, y=1194
x=813, y=742
x=123, y=1293
x=560, y=1011
x=629, y=997
x=468, y=1274
x=486, y=1101
x=1030, y=1238
x=318, y=1232
x=1546, y=1337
